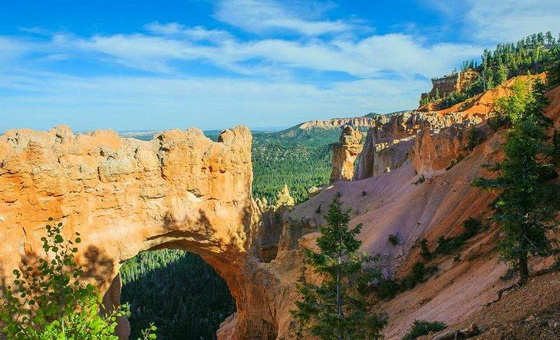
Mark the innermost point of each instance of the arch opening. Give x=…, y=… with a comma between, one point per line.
x=177, y=291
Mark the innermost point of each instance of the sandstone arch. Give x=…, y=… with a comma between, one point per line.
x=180, y=190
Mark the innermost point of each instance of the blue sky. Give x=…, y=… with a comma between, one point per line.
x=152, y=65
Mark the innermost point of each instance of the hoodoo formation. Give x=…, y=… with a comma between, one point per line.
x=345, y=153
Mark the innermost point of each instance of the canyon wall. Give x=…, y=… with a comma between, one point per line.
x=405, y=137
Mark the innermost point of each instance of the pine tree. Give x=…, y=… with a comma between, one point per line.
x=501, y=74
x=553, y=74
x=338, y=308
x=525, y=209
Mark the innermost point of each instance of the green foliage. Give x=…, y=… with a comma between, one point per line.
x=531, y=54
x=525, y=209
x=455, y=162
x=394, y=239
x=338, y=308
x=389, y=288
x=555, y=150
x=553, y=69
x=420, y=180
x=49, y=303
x=417, y=275
x=474, y=138
x=513, y=107
x=424, y=249
x=452, y=99
x=177, y=290
x=420, y=328
x=448, y=245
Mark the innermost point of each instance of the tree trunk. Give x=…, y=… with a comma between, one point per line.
x=338, y=300
x=523, y=269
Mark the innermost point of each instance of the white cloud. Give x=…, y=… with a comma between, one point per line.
x=500, y=21
x=261, y=16
x=11, y=49
x=365, y=58
x=511, y=20
x=151, y=53
x=165, y=102
x=197, y=33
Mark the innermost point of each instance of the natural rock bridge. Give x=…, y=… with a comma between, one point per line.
x=180, y=190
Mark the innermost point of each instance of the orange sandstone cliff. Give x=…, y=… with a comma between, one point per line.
x=180, y=190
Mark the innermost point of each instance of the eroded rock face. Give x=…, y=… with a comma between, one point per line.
x=392, y=138
x=345, y=153
x=180, y=190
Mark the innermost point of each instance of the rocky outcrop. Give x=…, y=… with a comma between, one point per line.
x=454, y=82
x=345, y=153
x=180, y=190
x=392, y=139
x=397, y=139
x=432, y=153
x=337, y=123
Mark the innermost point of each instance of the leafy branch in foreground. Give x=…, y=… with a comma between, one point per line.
x=48, y=301
x=338, y=308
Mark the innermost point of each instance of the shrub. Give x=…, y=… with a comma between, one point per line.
x=474, y=138
x=472, y=227
x=417, y=275
x=452, y=99
x=496, y=122
x=389, y=288
x=424, y=250
x=449, y=245
x=420, y=328
x=49, y=303
x=394, y=239
x=420, y=180
x=455, y=161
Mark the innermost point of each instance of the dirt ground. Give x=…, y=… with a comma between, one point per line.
x=531, y=312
